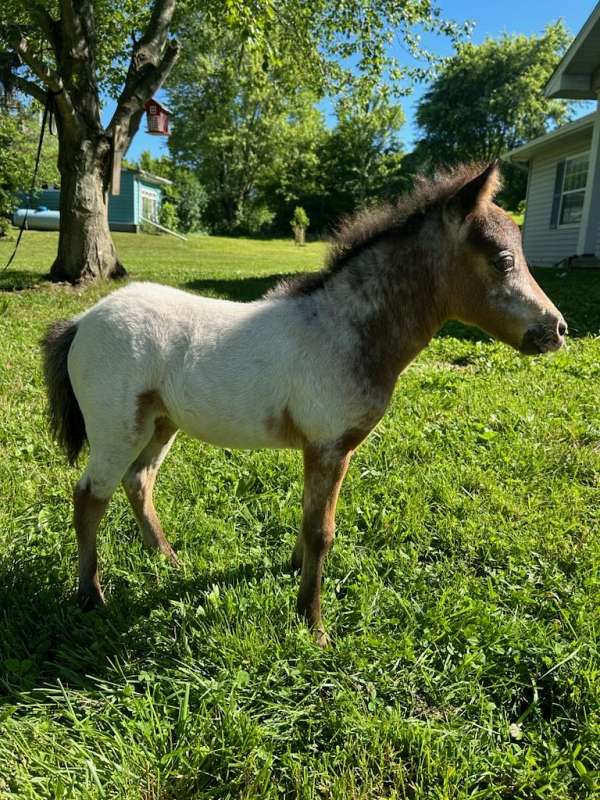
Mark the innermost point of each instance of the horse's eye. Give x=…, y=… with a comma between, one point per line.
x=504, y=261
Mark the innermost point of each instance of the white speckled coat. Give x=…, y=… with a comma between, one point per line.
x=225, y=372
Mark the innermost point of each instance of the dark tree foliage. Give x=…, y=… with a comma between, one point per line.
x=488, y=99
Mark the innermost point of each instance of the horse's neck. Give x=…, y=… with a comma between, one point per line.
x=395, y=308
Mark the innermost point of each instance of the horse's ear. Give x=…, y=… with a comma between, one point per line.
x=480, y=188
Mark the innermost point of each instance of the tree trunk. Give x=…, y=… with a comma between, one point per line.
x=85, y=247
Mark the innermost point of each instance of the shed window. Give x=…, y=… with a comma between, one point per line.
x=573, y=189
x=149, y=205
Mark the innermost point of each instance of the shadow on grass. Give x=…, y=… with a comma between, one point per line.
x=45, y=638
x=12, y=280
x=576, y=293
x=241, y=289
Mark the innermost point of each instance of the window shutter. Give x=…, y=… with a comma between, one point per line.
x=558, y=185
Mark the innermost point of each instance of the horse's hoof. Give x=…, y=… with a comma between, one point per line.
x=171, y=555
x=295, y=563
x=297, y=558
x=322, y=638
x=91, y=599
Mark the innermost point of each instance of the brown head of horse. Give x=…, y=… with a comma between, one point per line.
x=492, y=286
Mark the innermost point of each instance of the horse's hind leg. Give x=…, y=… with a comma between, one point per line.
x=139, y=484
x=106, y=467
x=89, y=510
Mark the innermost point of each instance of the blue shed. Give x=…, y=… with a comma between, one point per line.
x=140, y=199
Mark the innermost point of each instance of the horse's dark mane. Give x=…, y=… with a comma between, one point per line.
x=365, y=228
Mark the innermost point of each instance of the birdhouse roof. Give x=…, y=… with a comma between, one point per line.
x=155, y=102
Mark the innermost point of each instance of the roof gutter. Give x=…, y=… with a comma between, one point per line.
x=525, y=151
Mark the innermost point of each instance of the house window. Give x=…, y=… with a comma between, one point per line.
x=149, y=205
x=573, y=190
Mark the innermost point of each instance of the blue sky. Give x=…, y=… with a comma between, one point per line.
x=491, y=17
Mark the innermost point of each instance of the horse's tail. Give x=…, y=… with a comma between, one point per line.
x=66, y=419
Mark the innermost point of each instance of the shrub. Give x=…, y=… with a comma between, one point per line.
x=300, y=218
x=168, y=215
x=299, y=223
x=191, y=201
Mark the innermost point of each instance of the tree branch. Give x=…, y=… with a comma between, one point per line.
x=157, y=31
x=87, y=24
x=147, y=82
x=53, y=82
x=30, y=88
x=47, y=25
x=40, y=70
x=79, y=58
x=69, y=25
x=151, y=61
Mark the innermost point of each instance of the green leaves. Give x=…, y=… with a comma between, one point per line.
x=239, y=120
x=117, y=24
x=489, y=98
x=19, y=134
x=300, y=218
x=251, y=131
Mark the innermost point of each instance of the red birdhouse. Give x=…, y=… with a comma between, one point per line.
x=157, y=117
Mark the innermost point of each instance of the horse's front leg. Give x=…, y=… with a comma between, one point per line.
x=324, y=471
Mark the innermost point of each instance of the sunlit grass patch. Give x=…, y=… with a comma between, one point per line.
x=462, y=593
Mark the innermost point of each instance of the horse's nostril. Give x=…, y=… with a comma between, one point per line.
x=562, y=328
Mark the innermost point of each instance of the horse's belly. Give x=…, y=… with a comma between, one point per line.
x=233, y=411
x=228, y=432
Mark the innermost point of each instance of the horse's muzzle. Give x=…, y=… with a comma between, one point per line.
x=544, y=338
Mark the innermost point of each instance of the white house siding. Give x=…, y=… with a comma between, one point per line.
x=543, y=245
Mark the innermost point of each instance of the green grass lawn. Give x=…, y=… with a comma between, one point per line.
x=462, y=593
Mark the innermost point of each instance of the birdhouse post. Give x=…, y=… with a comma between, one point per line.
x=115, y=169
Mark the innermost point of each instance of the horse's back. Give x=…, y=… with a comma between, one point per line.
x=138, y=308
x=261, y=374
x=216, y=364
x=152, y=315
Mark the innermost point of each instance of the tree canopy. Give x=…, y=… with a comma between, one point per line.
x=246, y=119
x=122, y=47
x=77, y=49
x=489, y=98
x=68, y=51
x=238, y=121
x=363, y=153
